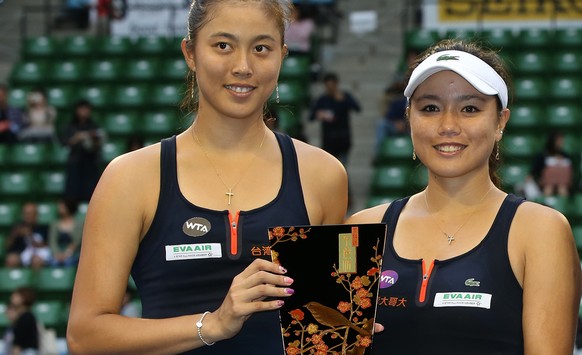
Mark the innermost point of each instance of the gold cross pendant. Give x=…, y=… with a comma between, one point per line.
x=230, y=194
x=450, y=238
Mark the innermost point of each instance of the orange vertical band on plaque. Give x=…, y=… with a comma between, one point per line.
x=355, y=237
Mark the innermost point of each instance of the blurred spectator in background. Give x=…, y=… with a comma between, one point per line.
x=10, y=118
x=22, y=336
x=38, y=120
x=64, y=236
x=552, y=168
x=84, y=137
x=333, y=110
x=26, y=243
x=298, y=33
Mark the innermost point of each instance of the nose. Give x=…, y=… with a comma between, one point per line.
x=242, y=66
x=449, y=124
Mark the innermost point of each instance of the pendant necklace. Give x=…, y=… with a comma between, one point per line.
x=229, y=190
x=451, y=237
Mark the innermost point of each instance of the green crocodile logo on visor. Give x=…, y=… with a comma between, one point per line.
x=447, y=57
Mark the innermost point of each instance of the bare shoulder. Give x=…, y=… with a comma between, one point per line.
x=369, y=215
x=316, y=159
x=537, y=225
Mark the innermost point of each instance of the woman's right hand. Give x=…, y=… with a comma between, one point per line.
x=258, y=288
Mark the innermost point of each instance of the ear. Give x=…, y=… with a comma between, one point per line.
x=188, y=55
x=503, y=119
x=284, y=51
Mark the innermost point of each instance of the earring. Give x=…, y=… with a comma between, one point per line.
x=497, y=151
x=277, y=93
x=413, y=154
x=192, y=92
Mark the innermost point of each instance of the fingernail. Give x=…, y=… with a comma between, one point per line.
x=283, y=270
x=289, y=291
x=288, y=280
x=280, y=303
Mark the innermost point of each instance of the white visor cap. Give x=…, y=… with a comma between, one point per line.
x=478, y=73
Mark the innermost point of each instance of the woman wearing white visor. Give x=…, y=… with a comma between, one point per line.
x=468, y=268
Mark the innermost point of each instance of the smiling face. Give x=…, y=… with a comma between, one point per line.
x=454, y=127
x=236, y=57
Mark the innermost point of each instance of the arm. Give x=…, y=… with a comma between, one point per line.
x=119, y=214
x=549, y=270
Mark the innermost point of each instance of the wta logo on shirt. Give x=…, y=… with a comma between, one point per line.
x=196, y=227
x=388, y=278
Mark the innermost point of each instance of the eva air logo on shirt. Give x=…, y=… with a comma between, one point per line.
x=447, y=57
x=196, y=227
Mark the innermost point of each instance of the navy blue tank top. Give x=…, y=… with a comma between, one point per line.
x=469, y=304
x=189, y=256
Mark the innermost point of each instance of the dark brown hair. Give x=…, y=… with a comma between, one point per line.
x=487, y=55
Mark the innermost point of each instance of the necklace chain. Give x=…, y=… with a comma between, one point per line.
x=229, y=190
x=451, y=237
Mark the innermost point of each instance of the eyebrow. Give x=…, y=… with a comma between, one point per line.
x=235, y=38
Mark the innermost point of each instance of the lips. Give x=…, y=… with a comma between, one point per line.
x=240, y=89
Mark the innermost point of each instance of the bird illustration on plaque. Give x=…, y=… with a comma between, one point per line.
x=336, y=269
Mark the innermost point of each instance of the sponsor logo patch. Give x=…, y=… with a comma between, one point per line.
x=193, y=251
x=463, y=299
x=196, y=227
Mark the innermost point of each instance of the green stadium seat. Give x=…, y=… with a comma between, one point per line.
x=513, y=174
x=291, y=92
x=17, y=185
x=61, y=97
x=47, y=212
x=520, y=145
x=391, y=179
x=395, y=148
x=530, y=62
x=564, y=116
x=78, y=46
x=121, y=123
x=32, y=73
x=288, y=121
x=154, y=46
x=55, y=282
x=142, y=69
x=12, y=278
x=530, y=88
x=57, y=155
x=159, y=123
x=559, y=203
x=113, y=148
x=51, y=183
x=530, y=117
x=567, y=61
x=499, y=38
x=173, y=70
x=296, y=67
x=418, y=179
x=167, y=95
x=463, y=34
x=568, y=37
x=9, y=214
x=114, y=46
x=43, y=47
x=17, y=97
x=105, y=70
x=572, y=141
x=535, y=37
x=4, y=151
x=50, y=313
x=98, y=95
x=130, y=96
x=68, y=71
x=420, y=39
x=565, y=88
x=27, y=155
